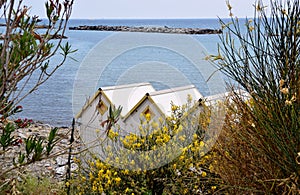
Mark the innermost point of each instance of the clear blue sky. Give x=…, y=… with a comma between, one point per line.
x=98, y=9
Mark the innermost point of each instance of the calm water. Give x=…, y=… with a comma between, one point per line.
x=52, y=103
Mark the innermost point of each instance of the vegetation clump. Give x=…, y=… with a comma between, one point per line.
x=257, y=151
x=259, y=146
x=25, y=64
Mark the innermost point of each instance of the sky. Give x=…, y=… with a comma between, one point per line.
x=110, y=9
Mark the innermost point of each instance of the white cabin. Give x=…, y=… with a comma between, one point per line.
x=96, y=110
x=158, y=104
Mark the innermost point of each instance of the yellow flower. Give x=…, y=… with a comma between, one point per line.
x=185, y=149
x=227, y=154
x=108, y=182
x=138, y=145
x=100, y=189
x=165, y=129
x=259, y=7
x=281, y=83
x=185, y=191
x=195, y=136
x=160, y=120
x=218, y=57
x=118, y=179
x=185, y=114
x=174, y=166
x=189, y=98
x=284, y=91
x=174, y=107
x=148, y=117
x=132, y=162
x=166, y=138
x=181, y=158
x=108, y=172
x=154, y=125
x=100, y=172
x=91, y=176
x=112, y=134
x=294, y=98
x=203, y=174
x=288, y=102
x=213, y=187
x=126, y=171
x=251, y=28
x=201, y=143
x=158, y=141
x=181, y=138
x=180, y=128
x=76, y=160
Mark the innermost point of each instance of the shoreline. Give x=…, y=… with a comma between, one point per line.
x=56, y=165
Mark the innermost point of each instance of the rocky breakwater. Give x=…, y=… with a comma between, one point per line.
x=164, y=29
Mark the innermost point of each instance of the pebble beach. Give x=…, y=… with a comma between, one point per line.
x=53, y=167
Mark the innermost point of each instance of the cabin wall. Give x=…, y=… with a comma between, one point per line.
x=90, y=122
x=132, y=123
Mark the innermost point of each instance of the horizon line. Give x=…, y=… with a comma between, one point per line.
x=149, y=18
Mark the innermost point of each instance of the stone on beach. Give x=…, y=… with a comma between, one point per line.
x=55, y=167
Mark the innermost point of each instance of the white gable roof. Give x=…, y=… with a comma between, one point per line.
x=127, y=96
x=177, y=95
x=213, y=99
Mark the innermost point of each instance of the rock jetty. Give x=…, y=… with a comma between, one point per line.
x=38, y=37
x=164, y=29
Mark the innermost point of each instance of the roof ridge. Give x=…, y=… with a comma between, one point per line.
x=107, y=88
x=175, y=89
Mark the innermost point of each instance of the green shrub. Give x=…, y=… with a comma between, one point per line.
x=260, y=145
x=32, y=185
x=25, y=55
x=186, y=173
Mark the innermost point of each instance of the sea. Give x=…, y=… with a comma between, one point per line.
x=53, y=103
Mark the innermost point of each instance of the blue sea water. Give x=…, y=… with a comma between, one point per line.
x=52, y=102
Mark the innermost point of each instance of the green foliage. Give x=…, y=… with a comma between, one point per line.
x=25, y=57
x=113, y=117
x=30, y=144
x=187, y=173
x=31, y=150
x=32, y=185
x=24, y=51
x=263, y=58
x=52, y=140
x=6, y=138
